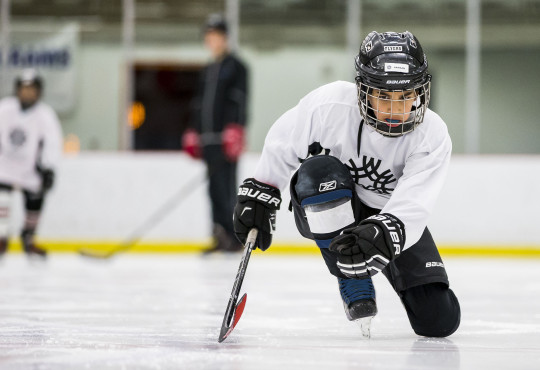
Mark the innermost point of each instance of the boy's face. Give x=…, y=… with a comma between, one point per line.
x=216, y=42
x=392, y=107
x=28, y=94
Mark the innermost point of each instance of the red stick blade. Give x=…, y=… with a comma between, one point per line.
x=237, y=314
x=239, y=310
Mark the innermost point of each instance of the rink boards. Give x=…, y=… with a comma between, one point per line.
x=276, y=249
x=488, y=205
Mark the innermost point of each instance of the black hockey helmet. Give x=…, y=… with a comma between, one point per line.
x=216, y=22
x=392, y=62
x=29, y=77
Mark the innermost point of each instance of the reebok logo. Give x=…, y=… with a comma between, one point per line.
x=325, y=186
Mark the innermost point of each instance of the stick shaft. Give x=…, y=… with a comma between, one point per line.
x=250, y=245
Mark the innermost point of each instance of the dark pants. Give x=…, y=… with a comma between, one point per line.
x=222, y=186
x=410, y=268
x=32, y=201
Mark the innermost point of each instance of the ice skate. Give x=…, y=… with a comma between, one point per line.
x=36, y=252
x=359, y=302
x=32, y=250
x=223, y=242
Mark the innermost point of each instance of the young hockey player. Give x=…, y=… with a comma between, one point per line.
x=366, y=200
x=30, y=147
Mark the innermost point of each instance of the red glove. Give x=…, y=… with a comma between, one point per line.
x=191, y=143
x=233, y=139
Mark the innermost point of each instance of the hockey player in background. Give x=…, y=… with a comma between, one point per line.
x=217, y=131
x=371, y=159
x=30, y=147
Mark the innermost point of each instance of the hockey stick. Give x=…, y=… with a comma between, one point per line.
x=234, y=310
x=150, y=222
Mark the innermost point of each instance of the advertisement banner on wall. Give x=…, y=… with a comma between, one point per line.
x=53, y=54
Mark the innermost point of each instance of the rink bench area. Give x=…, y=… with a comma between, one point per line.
x=488, y=206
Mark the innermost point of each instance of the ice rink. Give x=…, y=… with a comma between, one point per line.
x=165, y=312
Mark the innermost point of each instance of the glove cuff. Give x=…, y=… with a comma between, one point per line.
x=392, y=229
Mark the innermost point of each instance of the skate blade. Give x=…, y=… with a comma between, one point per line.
x=365, y=326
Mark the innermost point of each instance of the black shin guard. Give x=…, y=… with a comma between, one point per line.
x=33, y=205
x=433, y=309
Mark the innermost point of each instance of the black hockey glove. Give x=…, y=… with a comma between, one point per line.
x=367, y=249
x=47, y=178
x=256, y=206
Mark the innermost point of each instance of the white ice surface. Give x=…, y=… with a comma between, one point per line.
x=165, y=312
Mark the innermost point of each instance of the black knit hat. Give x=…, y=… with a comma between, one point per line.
x=216, y=22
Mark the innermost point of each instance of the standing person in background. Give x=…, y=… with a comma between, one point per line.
x=30, y=147
x=217, y=131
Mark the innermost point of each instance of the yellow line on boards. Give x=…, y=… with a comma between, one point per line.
x=71, y=246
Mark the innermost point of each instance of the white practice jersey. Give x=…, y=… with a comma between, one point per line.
x=26, y=139
x=399, y=175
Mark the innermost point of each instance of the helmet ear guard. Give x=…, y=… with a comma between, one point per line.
x=392, y=62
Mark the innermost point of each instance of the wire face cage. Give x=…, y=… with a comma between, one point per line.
x=393, y=112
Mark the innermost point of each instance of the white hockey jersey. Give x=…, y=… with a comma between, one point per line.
x=402, y=175
x=26, y=139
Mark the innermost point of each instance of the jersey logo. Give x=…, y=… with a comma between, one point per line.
x=325, y=186
x=370, y=170
x=17, y=137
